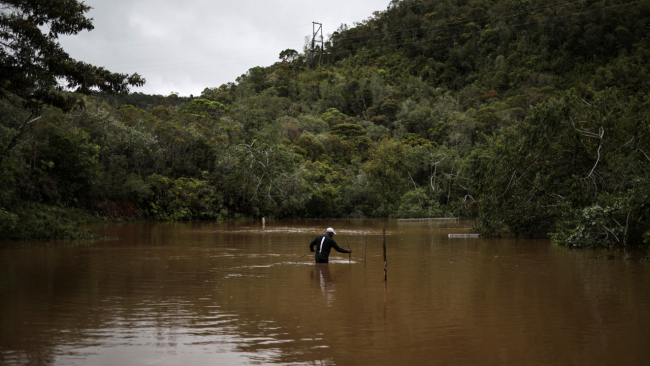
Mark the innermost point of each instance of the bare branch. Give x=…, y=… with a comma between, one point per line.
x=646, y=155
x=14, y=140
x=416, y=186
x=584, y=132
x=625, y=144
x=607, y=229
x=602, y=133
x=554, y=195
x=509, y=183
x=432, y=180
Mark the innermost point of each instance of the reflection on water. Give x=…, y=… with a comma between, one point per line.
x=228, y=293
x=323, y=278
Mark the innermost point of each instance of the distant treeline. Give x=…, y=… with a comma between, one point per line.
x=532, y=116
x=141, y=101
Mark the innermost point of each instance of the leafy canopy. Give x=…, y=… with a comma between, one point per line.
x=34, y=67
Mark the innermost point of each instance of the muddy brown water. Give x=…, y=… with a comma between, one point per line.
x=206, y=293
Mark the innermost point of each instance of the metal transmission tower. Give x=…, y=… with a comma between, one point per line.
x=315, y=31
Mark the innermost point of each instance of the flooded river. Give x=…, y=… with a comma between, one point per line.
x=206, y=293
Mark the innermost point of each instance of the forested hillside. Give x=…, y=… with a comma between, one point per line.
x=532, y=116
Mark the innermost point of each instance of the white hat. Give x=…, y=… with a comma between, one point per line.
x=330, y=230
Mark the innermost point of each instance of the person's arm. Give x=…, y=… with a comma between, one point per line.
x=339, y=249
x=313, y=243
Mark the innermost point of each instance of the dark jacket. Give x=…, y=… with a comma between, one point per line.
x=323, y=246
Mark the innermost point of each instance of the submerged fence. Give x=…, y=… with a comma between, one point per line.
x=432, y=219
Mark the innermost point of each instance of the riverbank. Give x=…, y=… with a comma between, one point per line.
x=39, y=221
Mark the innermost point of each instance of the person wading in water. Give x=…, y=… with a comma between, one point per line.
x=324, y=244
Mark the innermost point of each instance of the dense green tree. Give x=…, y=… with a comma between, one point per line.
x=571, y=159
x=35, y=70
x=347, y=130
x=32, y=63
x=289, y=55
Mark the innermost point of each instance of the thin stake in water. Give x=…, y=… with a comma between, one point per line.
x=385, y=262
x=349, y=254
x=365, y=250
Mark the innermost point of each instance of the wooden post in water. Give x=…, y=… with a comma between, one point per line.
x=385, y=262
x=349, y=255
x=263, y=223
x=365, y=251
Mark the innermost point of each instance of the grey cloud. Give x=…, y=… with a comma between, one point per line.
x=185, y=46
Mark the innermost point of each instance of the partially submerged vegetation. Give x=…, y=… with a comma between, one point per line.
x=529, y=115
x=40, y=221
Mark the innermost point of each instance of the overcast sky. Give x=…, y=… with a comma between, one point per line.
x=186, y=46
